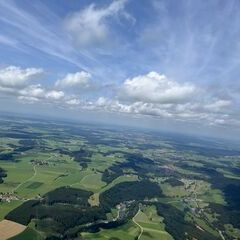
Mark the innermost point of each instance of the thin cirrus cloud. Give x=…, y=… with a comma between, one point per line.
x=28, y=32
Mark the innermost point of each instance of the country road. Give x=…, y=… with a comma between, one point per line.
x=141, y=228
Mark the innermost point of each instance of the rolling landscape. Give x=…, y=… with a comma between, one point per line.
x=119, y=120
x=75, y=181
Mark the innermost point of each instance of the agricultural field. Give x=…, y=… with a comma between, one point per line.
x=61, y=180
x=10, y=228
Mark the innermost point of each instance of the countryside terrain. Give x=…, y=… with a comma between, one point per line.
x=61, y=180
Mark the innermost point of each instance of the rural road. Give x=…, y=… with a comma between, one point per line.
x=34, y=174
x=141, y=229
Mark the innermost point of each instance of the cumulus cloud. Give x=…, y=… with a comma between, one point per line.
x=89, y=26
x=55, y=95
x=17, y=81
x=218, y=105
x=155, y=95
x=152, y=95
x=28, y=99
x=132, y=108
x=191, y=112
x=73, y=101
x=156, y=88
x=15, y=77
x=78, y=79
x=37, y=92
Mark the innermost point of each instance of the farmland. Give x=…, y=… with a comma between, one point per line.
x=63, y=180
x=9, y=228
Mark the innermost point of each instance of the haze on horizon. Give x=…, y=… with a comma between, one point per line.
x=171, y=65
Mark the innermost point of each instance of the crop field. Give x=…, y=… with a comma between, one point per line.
x=66, y=181
x=9, y=229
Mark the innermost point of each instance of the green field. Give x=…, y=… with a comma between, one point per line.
x=152, y=225
x=128, y=231
x=28, y=234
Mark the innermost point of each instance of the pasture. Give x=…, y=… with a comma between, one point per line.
x=151, y=224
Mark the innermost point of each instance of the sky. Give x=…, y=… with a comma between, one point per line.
x=163, y=64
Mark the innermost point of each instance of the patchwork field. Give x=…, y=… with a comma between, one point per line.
x=69, y=181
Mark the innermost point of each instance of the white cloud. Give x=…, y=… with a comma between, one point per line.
x=102, y=101
x=74, y=79
x=55, y=95
x=27, y=99
x=156, y=88
x=37, y=92
x=89, y=26
x=16, y=81
x=218, y=105
x=191, y=112
x=134, y=108
x=14, y=77
x=152, y=95
x=157, y=96
x=73, y=102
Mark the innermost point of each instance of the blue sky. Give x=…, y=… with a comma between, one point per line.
x=169, y=64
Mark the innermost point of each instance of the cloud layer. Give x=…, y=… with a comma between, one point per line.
x=152, y=94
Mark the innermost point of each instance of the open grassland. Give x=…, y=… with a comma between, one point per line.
x=150, y=224
x=92, y=182
x=18, y=173
x=28, y=234
x=28, y=180
x=213, y=195
x=127, y=232
x=6, y=207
